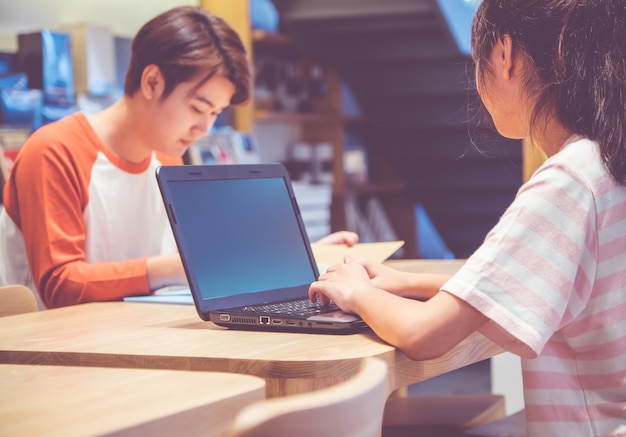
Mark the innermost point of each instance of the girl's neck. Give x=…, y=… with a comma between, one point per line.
x=551, y=137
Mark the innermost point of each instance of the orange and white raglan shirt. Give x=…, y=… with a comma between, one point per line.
x=79, y=221
x=551, y=278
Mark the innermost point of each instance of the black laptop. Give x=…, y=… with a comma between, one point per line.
x=244, y=248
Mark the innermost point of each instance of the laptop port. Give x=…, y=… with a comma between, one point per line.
x=277, y=322
x=225, y=317
x=264, y=320
x=291, y=322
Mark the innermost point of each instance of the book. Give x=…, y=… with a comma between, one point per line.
x=329, y=254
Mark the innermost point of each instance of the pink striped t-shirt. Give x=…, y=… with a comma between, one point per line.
x=551, y=277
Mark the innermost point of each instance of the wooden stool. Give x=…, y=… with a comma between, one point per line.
x=509, y=426
x=16, y=299
x=434, y=416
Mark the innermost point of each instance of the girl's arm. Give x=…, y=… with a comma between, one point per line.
x=421, y=330
x=420, y=286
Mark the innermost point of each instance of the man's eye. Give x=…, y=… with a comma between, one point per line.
x=196, y=110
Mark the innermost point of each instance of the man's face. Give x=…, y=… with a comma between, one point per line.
x=187, y=114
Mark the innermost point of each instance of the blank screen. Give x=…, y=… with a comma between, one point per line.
x=240, y=235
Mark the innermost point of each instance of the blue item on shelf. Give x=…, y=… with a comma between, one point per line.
x=264, y=16
x=58, y=66
x=430, y=245
x=122, y=61
x=46, y=57
x=17, y=81
x=21, y=108
x=7, y=63
x=350, y=105
x=50, y=113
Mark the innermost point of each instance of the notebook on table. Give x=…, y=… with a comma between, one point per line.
x=244, y=248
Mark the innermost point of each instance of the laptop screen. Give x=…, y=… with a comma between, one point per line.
x=240, y=235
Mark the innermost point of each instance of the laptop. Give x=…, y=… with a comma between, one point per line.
x=244, y=248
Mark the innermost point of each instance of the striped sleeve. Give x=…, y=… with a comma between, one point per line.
x=521, y=277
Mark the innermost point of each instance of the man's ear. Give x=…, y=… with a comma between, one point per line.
x=152, y=82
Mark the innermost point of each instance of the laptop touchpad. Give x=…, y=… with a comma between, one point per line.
x=335, y=316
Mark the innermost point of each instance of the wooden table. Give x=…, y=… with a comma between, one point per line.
x=123, y=334
x=76, y=401
x=448, y=266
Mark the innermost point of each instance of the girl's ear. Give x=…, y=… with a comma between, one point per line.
x=504, y=56
x=152, y=82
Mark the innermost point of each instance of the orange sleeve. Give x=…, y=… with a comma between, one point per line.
x=47, y=196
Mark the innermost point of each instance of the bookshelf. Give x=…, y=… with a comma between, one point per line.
x=318, y=118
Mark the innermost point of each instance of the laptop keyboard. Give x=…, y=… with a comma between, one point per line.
x=302, y=307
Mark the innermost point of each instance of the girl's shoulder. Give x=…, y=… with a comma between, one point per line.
x=581, y=162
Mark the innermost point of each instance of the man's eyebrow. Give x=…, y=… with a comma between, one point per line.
x=205, y=100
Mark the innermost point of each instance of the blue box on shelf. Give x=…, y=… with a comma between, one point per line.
x=46, y=57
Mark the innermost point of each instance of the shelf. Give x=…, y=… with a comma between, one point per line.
x=261, y=115
x=352, y=120
x=372, y=189
x=277, y=39
x=264, y=42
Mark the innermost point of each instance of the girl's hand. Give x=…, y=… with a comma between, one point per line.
x=384, y=277
x=340, y=284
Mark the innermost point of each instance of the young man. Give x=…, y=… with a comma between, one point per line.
x=83, y=218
